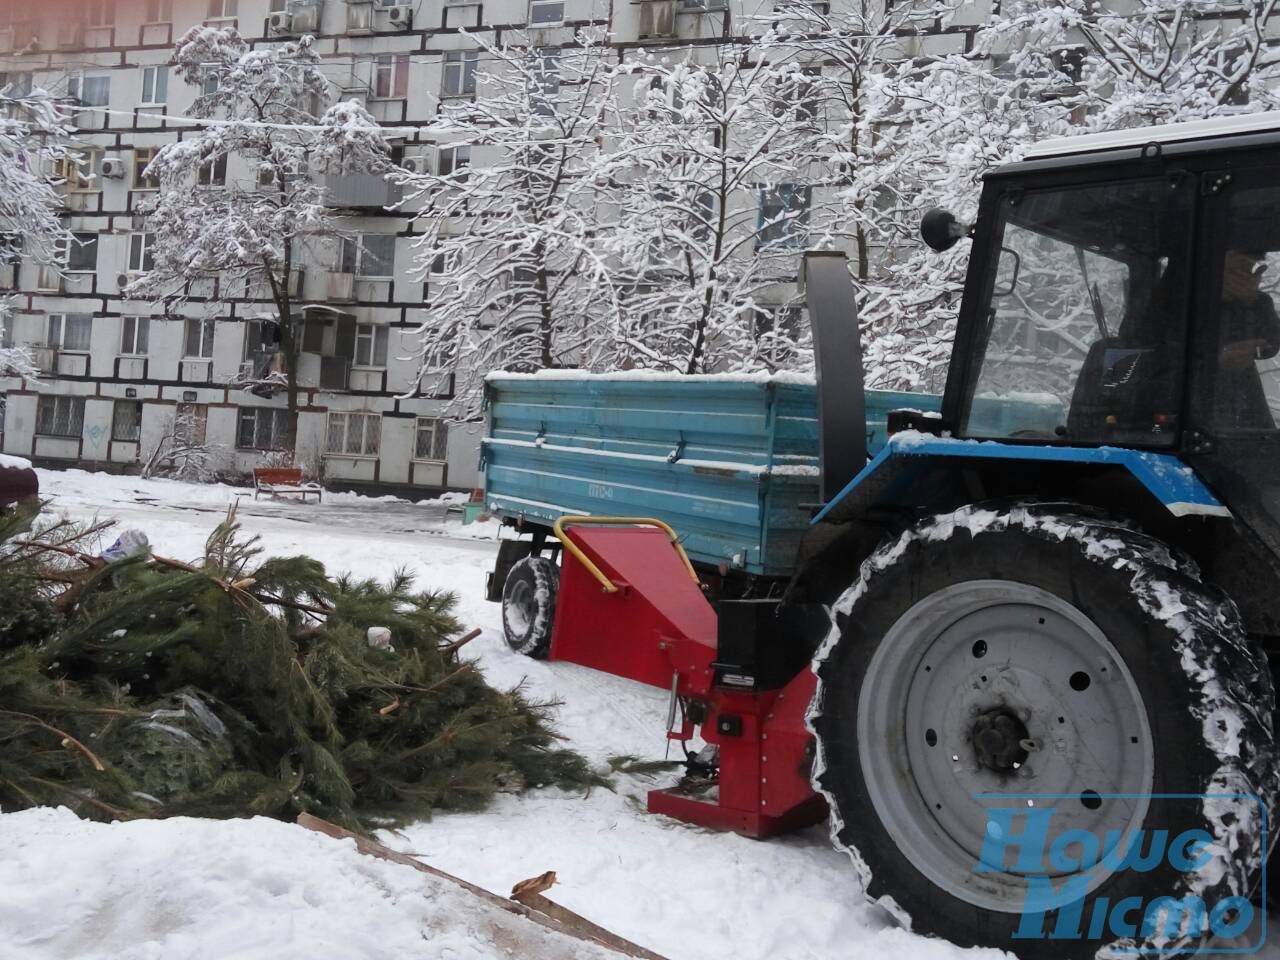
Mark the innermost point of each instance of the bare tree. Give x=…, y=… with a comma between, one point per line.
x=33, y=132
x=508, y=213
x=713, y=203
x=268, y=109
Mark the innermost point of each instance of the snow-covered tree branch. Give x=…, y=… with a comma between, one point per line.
x=243, y=198
x=508, y=213
x=33, y=133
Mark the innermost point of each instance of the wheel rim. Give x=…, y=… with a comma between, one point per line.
x=996, y=687
x=521, y=608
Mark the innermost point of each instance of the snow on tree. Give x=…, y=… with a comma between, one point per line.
x=33, y=132
x=712, y=210
x=931, y=126
x=836, y=52
x=508, y=213
x=242, y=199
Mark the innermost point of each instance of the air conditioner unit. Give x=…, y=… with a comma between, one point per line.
x=359, y=16
x=657, y=19
x=49, y=279
x=280, y=22
x=112, y=167
x=342, y=286
x=416, y=165
x=306, y=17
x=401, y=16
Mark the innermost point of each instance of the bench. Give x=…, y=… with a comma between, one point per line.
x=274, y=480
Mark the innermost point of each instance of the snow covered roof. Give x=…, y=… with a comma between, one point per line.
x=1166, y=133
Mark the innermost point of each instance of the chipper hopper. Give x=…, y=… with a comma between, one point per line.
x=1038, y=606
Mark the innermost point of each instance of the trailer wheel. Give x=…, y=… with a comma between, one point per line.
x=1027, y=651
x=529, y=606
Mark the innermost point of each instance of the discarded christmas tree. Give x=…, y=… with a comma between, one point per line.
x=238, y=686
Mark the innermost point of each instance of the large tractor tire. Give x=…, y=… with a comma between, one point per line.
x=1038, y=649
x=529, y=606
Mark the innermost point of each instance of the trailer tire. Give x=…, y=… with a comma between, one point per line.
x=1136, y=679
x=529, y=606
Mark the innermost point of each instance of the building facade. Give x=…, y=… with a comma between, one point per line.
x=121, y=379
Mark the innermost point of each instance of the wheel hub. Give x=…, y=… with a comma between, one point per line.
x=993, y=693
x=1000, y=740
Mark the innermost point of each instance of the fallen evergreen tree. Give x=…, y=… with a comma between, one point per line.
x=235, y=686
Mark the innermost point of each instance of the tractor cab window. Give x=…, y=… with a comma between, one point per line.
x=1082, y=332
x=1242, y=370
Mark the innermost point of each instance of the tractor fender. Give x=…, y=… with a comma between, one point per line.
x=917, y=474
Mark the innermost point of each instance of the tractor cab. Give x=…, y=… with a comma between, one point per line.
x=1129, y=283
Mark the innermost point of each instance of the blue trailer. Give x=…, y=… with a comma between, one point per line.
x=731, y=462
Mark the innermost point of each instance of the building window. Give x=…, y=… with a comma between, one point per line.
x=100, y=13
x=222, y=9
x=60, y=416
x=90, y=90
x=141, y=252
x=453, y=161
x=369, y=255
x=371, y=345
x=126, y=420
x=213, y=172
x=391, y=76
x=16, y=84
x=159, y=11
x=262, y=428
x=155, y=86
x=82, y=253
x=784, y=216
x=460, y=73
x=209, y=80
x=355, y=434
x=546, y=12
x=80, y=170
x=134, y=334
x=444, y=261
x=198, y=342
x=142, y=158
x=70, y=331
x=545, y=78
x=431, y=441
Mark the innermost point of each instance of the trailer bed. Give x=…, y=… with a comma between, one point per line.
x=729, y=462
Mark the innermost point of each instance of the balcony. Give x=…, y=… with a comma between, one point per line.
x=342, y=287
x=360, y=191
x=195, y=371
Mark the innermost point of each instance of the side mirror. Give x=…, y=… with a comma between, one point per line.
x=940, y=229
x=1007, y=271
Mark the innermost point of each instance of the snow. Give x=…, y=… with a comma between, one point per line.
x=14, y=463
x=659, y=376
x=255, y=889
x=251, y=889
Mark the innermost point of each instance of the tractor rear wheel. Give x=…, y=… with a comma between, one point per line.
x=529, y=606
x=1038, y=657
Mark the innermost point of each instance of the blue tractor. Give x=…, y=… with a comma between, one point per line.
x=1078, y=616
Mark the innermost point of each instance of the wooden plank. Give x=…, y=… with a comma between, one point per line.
x=545, y=913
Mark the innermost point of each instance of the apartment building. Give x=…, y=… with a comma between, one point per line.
x=119, y=376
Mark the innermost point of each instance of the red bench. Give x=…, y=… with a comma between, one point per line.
x=275, y=480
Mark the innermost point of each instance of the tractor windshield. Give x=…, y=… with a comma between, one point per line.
x=1084, y=334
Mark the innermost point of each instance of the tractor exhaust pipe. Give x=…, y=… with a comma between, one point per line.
x=837, y=355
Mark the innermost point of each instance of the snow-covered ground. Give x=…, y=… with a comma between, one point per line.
x=251, y=889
